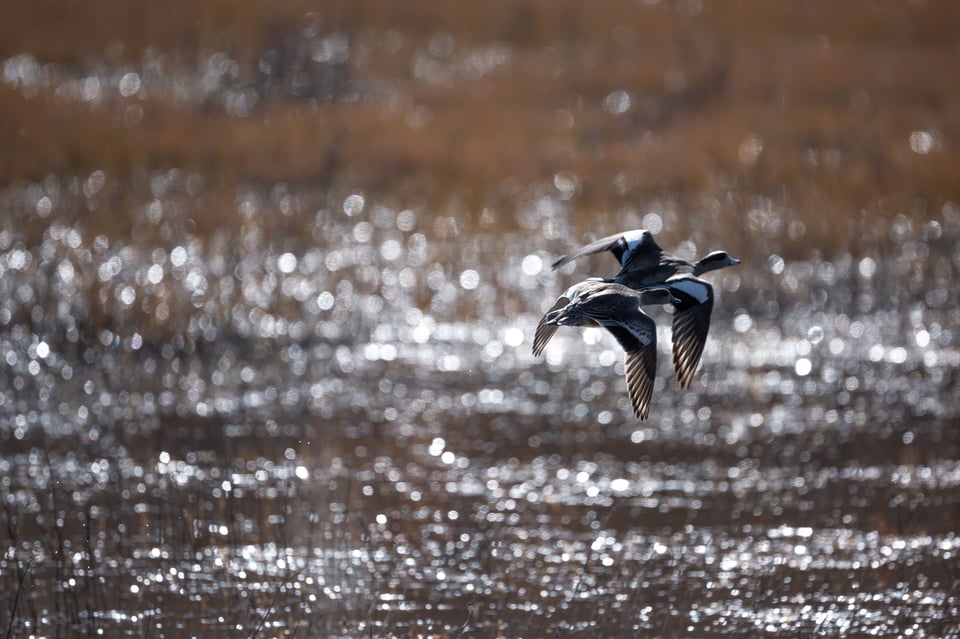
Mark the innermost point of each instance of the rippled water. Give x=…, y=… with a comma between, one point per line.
x=255, y=431
x=354, y=438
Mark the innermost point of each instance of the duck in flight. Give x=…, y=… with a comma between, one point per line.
x=616, y=308
x=644, y=264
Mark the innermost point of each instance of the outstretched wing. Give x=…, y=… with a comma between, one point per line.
x=640, y=362
x=608, y=243
x=544, y=330
x=626, y=247
x=691, y=323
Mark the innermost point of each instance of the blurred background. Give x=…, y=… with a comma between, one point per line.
x=269, y=274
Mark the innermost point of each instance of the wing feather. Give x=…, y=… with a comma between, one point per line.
x=544, y=330
x=607, y=243
x=640, y=365
x=691, y=323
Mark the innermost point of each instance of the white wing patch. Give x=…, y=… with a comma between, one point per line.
x=636, y=238
x=693, y=287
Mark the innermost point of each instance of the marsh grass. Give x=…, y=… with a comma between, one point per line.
x=811, y=107
x=763, y=128
x=96, y=555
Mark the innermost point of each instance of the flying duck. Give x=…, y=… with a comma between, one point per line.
x=644, y=264
x=616, y=308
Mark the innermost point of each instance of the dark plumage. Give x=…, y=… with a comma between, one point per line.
x=617, y=308
x=643, y=264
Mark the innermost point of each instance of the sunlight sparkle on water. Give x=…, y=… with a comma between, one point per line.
x=469, y=279
x=361, y=403
x=513, y=337
x=353, y=205
x=532, y=265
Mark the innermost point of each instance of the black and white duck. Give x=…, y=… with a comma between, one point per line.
x=643, y=264
x=616, y=308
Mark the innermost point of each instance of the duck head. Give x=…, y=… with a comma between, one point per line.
x=713, y=261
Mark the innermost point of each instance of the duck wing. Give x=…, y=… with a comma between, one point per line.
x=544, y=330
x=691, y=323
x=608, y=243
x=639, y=341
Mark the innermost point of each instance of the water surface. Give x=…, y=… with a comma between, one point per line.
x=264, y=406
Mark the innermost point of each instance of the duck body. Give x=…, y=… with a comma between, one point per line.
x=643, y=264
x=617, y=308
